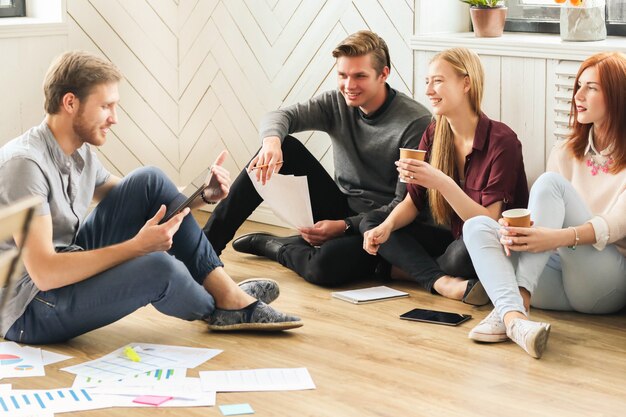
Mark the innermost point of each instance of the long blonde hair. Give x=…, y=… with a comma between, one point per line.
x=466, y=64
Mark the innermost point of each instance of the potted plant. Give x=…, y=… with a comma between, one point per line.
x=488, y=17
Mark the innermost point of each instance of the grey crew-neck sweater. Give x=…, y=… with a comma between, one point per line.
x=364, y=148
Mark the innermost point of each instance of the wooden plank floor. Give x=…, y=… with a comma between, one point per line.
x=367, y=362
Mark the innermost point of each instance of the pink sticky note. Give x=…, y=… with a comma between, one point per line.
x=154, y=400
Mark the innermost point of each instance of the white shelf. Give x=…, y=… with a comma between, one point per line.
x=528, y=45
x=26, y=26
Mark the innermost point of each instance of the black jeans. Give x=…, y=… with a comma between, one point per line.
x=337, y=261
x=423, y=251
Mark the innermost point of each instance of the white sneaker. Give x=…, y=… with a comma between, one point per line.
x=532, y=336
x=491, y=329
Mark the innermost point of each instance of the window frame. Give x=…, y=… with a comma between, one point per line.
x=18, y=9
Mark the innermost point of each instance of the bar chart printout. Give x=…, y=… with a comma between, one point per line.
x=50, y=401
x=116, y=365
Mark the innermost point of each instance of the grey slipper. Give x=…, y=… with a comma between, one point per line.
x=257, y=316
x=263, y=289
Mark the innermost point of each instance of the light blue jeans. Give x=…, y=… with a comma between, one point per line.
x=584, y=280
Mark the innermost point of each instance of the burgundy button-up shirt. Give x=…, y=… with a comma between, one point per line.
x=494, y=169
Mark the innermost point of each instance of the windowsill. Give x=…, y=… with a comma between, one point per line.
x=520, y=44
x=13, y=27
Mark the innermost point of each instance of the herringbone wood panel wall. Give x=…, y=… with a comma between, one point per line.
x=201, y=73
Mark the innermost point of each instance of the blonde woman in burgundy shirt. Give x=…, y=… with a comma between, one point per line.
x=574, y=257
x=474, y=167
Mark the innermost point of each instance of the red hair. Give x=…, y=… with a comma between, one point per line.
x=612, y=72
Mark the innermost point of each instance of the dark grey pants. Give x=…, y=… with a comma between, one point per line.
x=423, y=251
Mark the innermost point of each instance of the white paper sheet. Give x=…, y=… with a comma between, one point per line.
x=288, y=197
x=31, y=414
x=186, y=393
x=49, y=357
x=16, y=361
x=116, y=365
x=142, y=380
x=272, y=379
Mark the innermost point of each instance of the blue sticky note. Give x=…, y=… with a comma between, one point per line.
x=236, y=409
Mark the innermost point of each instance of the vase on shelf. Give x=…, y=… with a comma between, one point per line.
x=583, y=20
x=488, y=22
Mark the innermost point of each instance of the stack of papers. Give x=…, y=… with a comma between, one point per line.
x=137, y=375
x=369, y=295
x=288, y=197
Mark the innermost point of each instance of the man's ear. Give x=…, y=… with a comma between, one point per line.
x=384, y=74
x=70, y=103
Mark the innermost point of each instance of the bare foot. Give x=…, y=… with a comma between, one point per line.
x=451, y=287
x=227, y=294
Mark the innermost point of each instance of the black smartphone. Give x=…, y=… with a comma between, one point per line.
x=437, y=317
x=177, y=205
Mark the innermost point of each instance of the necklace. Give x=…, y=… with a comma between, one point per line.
x=602, y=166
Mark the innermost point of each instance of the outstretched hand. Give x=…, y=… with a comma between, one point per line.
x=155, y=237
x=218, y=180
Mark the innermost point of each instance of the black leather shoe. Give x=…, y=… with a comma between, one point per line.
x=260, y=244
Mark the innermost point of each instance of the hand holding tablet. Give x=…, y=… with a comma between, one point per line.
x=217, y=180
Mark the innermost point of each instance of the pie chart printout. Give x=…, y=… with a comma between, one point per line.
x=7, y=359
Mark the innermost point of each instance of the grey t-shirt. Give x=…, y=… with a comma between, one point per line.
x=364, y=147
x=35, y=164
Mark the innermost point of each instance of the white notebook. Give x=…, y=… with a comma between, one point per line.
x=369, y=295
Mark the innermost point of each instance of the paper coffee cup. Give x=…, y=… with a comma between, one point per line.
x=406, y=153
x=517, y=217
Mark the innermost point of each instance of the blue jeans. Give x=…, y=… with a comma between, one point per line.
x=171, y=282
x=584, y=280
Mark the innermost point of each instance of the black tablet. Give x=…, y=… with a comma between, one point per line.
x=176, y=206
x=437, y=317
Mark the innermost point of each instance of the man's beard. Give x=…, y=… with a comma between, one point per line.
x=87, y=133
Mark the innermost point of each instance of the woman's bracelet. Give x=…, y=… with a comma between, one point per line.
x=576, y=238
x=205, y=199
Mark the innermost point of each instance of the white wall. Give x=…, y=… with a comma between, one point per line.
x=200, y=74
x=21, y=72
x=27, y=46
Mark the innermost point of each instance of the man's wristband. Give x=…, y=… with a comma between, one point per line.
x=348, y=228
x=205, y=199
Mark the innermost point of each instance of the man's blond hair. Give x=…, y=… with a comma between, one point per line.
x=76, y=72
x=362, y=43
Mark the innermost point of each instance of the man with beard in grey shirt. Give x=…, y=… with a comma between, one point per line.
x=86, y=270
